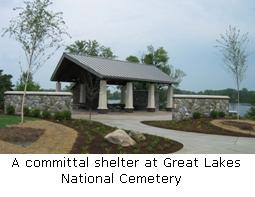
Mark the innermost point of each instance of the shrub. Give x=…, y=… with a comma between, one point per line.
x=251, y=113
x=214, y=114
x=221, y=114
x=10, y=110
x=26, y=111
x=67, y=115
x=64, y=115
x=196, y=115
x=46, y=114
x=35, y=113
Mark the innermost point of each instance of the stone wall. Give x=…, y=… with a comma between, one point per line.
x=52, y=101
x=186, y=105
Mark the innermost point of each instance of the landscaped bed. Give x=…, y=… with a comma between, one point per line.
x=237, y=126
x=202, y=125
x=20, y=136
x=90, y=138
x=34, y=137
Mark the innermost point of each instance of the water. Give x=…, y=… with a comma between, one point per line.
x=244, y=108
x=113, y=101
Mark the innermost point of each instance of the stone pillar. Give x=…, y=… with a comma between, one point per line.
x=102, y=102
x=170, y=96
x=82, y=93
x=151, y=107
x=123, y=95
x=58, y=86
x=129, y=98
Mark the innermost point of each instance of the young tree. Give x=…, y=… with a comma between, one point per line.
x=91, y=48
x=92, y=89
x=40, y=31
x=31, y=85
x=233, y=46
x=5, y=85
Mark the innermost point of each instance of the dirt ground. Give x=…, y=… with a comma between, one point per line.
x=55, y=139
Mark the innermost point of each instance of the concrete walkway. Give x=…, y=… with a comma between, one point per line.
x=193, y=142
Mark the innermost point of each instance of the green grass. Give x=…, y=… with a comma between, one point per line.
x=6, y=120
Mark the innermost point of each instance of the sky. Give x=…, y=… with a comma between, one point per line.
x=187, y=29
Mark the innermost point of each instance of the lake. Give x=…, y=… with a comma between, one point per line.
x=244, y=108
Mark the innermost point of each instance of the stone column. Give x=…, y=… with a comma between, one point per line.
x=151, y=107
x=123, y=95
x=82, y=93
x=102, y=102
x=129, y=98
x=58, y=86
x=170, y=96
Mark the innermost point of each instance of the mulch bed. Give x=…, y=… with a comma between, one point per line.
x=240, y=125
x=20, y=136
x=202, y=125
x=91, y=140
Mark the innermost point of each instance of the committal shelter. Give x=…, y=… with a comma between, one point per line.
x=91, y=75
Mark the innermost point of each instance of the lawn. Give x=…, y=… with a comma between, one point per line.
x=202, y=125
x=10, y=120
x=91, y=140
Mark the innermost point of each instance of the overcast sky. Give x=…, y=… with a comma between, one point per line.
x=187, y=29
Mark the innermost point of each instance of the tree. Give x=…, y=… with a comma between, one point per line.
x=106, y=52
x=92, y=89
x=137, y=85
x=91, y=48
x=40, y=31
x=133, y=59
x=233, y=46
x=31, y=85
x=5, y=85
x=159, y=58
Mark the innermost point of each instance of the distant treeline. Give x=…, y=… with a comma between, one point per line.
x=246, y=96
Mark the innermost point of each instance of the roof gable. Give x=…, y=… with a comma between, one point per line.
x=115, y=69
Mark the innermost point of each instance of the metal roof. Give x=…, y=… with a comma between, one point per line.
x=115, y=69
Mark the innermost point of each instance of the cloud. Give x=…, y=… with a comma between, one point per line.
x=187, y=29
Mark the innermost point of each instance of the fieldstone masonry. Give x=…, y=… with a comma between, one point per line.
x=52, y=101
x=183, y=105
x=186, y=105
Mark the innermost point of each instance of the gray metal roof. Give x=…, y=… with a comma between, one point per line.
x=115, y=69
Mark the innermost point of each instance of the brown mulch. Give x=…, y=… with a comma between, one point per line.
x=56, y=139
x=91, y=140
x=241, y=125
x=245, y=127
x=21, y=136
x=203, y=125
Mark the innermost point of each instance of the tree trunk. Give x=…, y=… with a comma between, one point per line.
x=238, y=100
x=24, y=97
x=90, y=111
x=238, y=105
